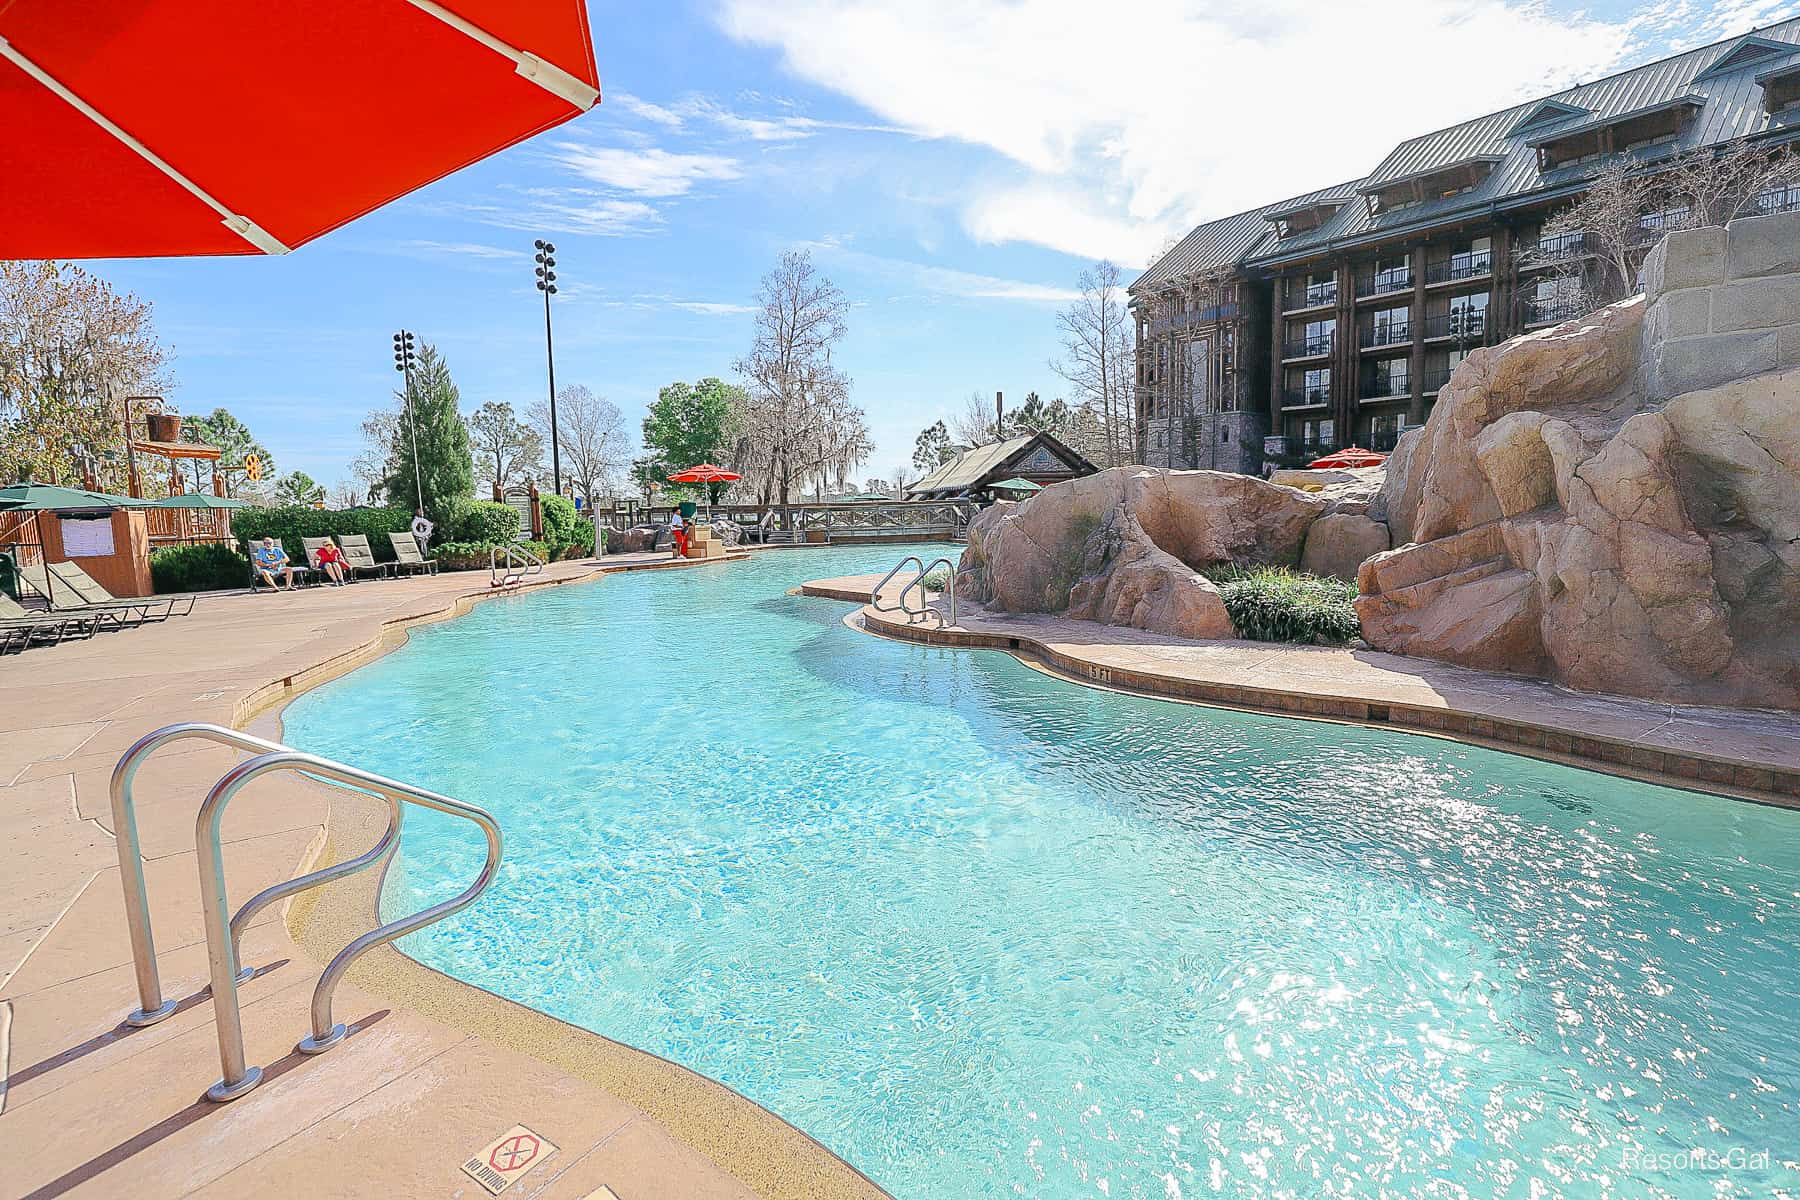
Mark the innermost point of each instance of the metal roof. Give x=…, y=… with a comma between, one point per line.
x=1230, y=240
x=1720, y=77
x=975, y=467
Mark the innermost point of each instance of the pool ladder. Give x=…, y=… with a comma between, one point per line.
x=509, y=564
x=916, y=582
x=224, y=933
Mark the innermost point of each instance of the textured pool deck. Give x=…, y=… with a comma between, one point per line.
x=433, y=1071
x=1752, y=754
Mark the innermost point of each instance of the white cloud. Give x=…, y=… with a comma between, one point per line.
x=711, y=308
x=681, y=115
x=644, y=172
x=564, y=210
x=941, y=280
x=432, y=249
x=1123, y=125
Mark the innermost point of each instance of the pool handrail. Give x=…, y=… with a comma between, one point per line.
x=919, y=582
x=221, y=934
x=151, y=1005
x=875, y=593
x=519, y=563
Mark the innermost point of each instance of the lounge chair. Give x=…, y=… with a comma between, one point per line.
x=19, y=627
x=407, y=556
x=358, y=556
x=95, y=595
x=303, y=571
x=312, y=558
x=62, y=598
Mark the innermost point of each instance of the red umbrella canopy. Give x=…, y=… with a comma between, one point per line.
x=705, y=473
x=145, y=127
x=1353, y=457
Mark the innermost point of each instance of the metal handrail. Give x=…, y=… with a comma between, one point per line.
x=875, y=595
x=919, y=582
x=152, y=1007
x=221, y=933
x=516, y=556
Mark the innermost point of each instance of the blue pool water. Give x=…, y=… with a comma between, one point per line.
x=989, y=934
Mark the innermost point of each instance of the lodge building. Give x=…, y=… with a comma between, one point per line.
x=1334, y=318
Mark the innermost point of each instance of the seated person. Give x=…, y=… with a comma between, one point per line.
x=269, y=558
x=331, y=561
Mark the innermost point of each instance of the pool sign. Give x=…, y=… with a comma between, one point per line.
x=505, y=1160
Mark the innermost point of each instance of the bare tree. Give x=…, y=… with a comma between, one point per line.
x=346, y=494
x=71, y=350
x=594, y=443
x=798, y=423
x=974, y=425
x=1626, y=209
x=1098, y=360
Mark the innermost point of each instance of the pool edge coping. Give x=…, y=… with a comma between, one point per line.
x=1630, y=760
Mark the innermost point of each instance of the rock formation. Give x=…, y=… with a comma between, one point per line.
x=1615, y=503
x=1127, y=546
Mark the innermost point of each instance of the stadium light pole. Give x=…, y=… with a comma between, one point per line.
x=404, y=363
x=546, y=283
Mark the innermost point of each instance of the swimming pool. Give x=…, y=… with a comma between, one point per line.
x=985, y=933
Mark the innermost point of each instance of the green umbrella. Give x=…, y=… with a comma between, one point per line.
x=198, y=500
x=46, y=497
x=1015, y=485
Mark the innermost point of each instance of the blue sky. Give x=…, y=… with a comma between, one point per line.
x=953, y=164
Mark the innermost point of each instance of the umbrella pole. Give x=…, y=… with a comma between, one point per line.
x=44, y=561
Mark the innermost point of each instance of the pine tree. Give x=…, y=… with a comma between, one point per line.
x=445, y=477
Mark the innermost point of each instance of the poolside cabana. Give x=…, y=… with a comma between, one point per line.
x=1039, y=458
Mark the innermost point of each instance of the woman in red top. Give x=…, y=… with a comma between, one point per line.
x=331, y=561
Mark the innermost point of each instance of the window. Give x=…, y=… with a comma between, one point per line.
x=1314, y=434
x=1779, y=199
x=1315, y=385
x=1558, y=244
x=1391, y=325
x=1473, y=260
x=1385, y=429
x=1674, y=217
x=1321, y=289
x=1661, y=139
x=1468, y=315
x=1392, y=274
x=1315, y=337
x=1389, y=377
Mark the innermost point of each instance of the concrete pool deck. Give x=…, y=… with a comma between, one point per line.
x=433, y=1071
x=1746, y=753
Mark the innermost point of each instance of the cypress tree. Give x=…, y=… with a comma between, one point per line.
x=445, y=474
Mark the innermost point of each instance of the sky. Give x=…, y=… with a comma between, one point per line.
x=953, y=166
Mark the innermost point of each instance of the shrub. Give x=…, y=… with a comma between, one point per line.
x=1274, y=604
x=560, y=519
x=476, y=556
x=485, y=521
x=202, y=568
x=295, y=522
x=938, y=580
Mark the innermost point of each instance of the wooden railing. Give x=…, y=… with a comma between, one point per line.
x=851, y=518
x=187, y=526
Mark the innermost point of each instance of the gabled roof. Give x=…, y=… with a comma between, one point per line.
x=979, y=466
x=1546, y=112
x=1230, y=240
x=1748, y=51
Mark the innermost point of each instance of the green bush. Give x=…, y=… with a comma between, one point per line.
x=475, y=556
x=484, y=521
x=296, y=522
x=1274, y=604
x=560, y=519
x=203, y=568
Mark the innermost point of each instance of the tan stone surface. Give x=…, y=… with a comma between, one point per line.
x=1648, y=548
x=93, y=1107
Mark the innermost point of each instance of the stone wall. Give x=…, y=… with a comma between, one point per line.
x=1724, y=303
x=1615, y=503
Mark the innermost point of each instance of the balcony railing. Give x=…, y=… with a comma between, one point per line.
x=1193, y=317
x=1553, y=310
x=1383, y=440
x=1562, y=246
x=1436, y=378
x=1383, y=282
x=1462, y=325
x=1390, y=333
x=1388, y=387
x=1460, y=267
x=1310, y=297
x=1301, y=397
x=1308, y=347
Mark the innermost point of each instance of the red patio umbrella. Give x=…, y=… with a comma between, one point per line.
x=1355, y=456
x=150, y=127
x=705, y=473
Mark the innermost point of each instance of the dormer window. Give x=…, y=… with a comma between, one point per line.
x=1435, y=183
x=1780, y=88
x=1304, y=217
x=1748, y=52
x=1546, y=113
x=1655, y=125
